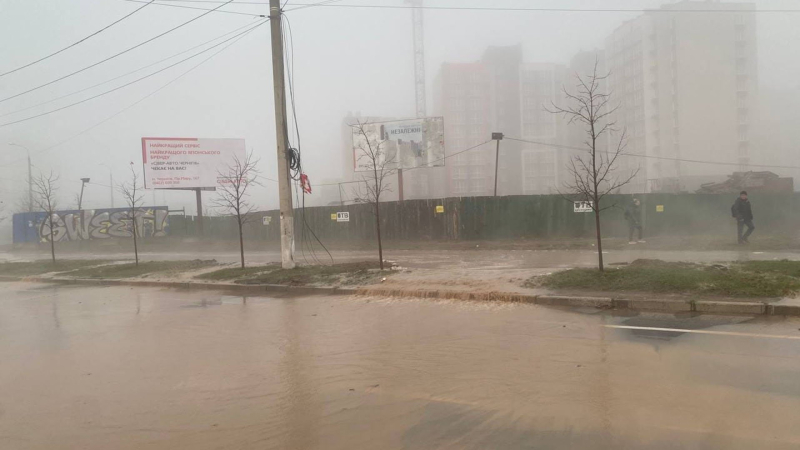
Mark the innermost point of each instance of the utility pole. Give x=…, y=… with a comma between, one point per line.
x=281, y=134
x=497, y=137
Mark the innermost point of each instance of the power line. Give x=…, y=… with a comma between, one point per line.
x=696, y=161
x=200, y=9
x=81, y=40
x=131, y=82
x=136, y=102
x=510, y=9
x=114, y=56
x=124, y=75
x=311, y=5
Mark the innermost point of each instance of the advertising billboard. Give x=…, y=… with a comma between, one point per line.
x=406, y=144
x=187, y=163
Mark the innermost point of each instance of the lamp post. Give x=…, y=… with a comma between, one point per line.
x=30, y=176
x=80, y=199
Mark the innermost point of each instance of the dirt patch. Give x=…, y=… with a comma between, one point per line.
x=347, y=274
x=144, y=269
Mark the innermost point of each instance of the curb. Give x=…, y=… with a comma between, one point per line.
x=671, y=306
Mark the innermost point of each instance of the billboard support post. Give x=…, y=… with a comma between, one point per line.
x=281, y=135
x=200, y=230
x=400, y=184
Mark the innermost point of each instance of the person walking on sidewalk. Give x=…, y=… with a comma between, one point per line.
x=633, y=214
x=743, y=214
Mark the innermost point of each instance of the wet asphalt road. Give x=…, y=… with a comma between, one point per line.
x=142, y=368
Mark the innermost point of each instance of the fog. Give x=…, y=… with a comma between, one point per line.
x=345, y=59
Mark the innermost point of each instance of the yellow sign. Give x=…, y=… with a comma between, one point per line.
x=659, y=208
x=333, y=216
x=439, y=209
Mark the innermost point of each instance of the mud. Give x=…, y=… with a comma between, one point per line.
x=142, y=368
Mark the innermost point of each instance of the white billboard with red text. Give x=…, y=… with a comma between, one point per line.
x=188, y=163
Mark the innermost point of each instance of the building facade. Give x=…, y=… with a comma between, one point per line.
x=686, y=85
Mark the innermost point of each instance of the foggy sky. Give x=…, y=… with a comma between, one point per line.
x=346, y=59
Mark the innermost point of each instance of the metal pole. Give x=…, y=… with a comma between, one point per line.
x=341, y=197
x=111, y=186
x=284, y=181
x=200, y=230
x=400, y=184
x=80, y=199
x=498, y=137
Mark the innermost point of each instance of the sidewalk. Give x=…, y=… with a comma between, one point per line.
x=493, y=275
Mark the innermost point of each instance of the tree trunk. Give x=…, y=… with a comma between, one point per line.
x=135, y=244
x=378, y=227
x=52, y=240
x=241, y=239
x=599, y=240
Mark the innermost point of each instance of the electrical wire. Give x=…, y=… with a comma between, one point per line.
x=123, y=75
x=115, y=55
x=665, y=158
x=200, y=9
x=295, y=156
x=79, y=41
x=164, y=86
x=262, y=22
x=558, y=10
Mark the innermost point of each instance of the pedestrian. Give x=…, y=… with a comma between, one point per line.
x=633, y=214
x=743, y=213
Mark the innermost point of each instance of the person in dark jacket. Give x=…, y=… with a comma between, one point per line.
x=633, y=214
x=743, y=214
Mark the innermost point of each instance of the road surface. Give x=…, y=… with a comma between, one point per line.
x=144, y=368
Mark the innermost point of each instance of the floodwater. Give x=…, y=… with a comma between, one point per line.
x=143, y=368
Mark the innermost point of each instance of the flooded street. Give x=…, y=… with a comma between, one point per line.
x=143, y=368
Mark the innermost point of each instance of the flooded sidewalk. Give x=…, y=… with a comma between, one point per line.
x=144, y=368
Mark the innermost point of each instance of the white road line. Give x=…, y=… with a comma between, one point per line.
x=719, y=333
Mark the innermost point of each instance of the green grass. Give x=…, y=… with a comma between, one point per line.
x=746, y=279
x=130, y=270
x=45, y=266
x=339, y=274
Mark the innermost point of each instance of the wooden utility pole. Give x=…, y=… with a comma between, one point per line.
x=281, y=134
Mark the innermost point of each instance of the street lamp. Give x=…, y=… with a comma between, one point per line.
x=30, y=176
x=80, y=199
x=110, y=183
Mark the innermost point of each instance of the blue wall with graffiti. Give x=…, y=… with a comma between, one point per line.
x=91, y=224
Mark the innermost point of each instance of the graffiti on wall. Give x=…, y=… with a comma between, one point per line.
x=100, y=224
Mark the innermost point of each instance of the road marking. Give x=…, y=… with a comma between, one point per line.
x=719, y=333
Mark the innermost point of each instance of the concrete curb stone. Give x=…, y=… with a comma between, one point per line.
x=673, y=306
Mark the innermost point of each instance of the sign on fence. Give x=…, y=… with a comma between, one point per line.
x=266, y=220
x=582, y=206
x=342, y=216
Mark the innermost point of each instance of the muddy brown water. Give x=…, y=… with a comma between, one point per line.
x=132, y=368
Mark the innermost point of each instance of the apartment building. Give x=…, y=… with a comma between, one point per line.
x=686, y=83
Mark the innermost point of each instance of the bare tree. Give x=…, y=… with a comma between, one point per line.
x=44, y=189
x=131, y=192
x=234, y=183
x=593, y=171
x=380, y=165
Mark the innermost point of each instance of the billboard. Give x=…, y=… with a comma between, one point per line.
x=405, y=144
x=187, y=163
